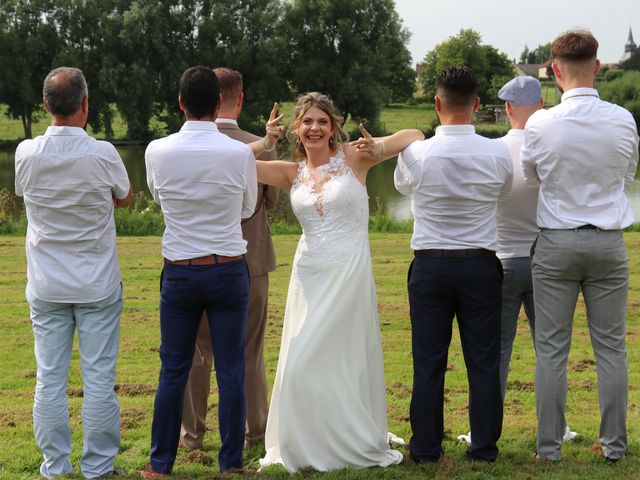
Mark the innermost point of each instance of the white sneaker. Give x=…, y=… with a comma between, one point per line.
x=568, y=434
x=465, y=438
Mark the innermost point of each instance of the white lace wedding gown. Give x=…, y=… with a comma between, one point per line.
x=328, y=409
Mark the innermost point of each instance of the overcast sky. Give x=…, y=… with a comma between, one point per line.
x=510, y=24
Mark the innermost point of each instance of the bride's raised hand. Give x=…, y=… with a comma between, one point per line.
x=273, y=129
x=367, y=144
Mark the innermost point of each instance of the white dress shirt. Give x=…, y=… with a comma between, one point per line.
x=583, y=153
x=204, y=182
x=517, y=228
x=68, y=180
x=456, y=178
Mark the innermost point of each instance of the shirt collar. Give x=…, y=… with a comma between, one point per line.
x=65, y=131
x=516, y=132
x=455, y=130
x=226, y=121
x=194, y=125
x=581, y=92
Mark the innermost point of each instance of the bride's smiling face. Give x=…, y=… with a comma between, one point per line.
x=315, y=128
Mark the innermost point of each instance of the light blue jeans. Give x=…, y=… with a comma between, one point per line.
x=517, y=291
x=98, y=326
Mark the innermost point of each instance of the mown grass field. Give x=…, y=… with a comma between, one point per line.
x=138, y=368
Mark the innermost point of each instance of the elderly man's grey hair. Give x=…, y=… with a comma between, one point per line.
x=63, y=90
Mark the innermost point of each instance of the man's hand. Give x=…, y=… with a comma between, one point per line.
x=273, y=128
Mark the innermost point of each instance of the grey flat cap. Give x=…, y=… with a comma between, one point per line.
x=522, y=90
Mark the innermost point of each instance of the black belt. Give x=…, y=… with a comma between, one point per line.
x=587, y=227
x=460, y=253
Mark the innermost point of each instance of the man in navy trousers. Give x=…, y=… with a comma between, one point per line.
x=204, y=182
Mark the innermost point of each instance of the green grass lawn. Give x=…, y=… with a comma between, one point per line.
x=138, y=367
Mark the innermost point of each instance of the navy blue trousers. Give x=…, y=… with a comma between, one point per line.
x=186, y=292
x=470, y=290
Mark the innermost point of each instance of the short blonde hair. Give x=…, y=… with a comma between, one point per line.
x=324, y=103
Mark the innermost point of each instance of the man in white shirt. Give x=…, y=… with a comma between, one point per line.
x=71, y=183
x=517, y=228
x=583, y=153
x=260, y=260
x=204, y=182
x=456, y=179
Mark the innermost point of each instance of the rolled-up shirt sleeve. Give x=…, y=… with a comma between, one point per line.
x=528, y=158
x=505, y=191
x=403, y=177
x=148, y=160
x=250, y=196
x=119, y=176
x=630, y=175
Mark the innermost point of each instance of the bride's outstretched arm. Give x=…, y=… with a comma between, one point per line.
x=373, y=150
x=277, y=173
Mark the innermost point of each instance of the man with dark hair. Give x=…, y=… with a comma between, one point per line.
x=260, y=260
x=71, y=183
x=456, y=179
x=582, y=154
x=204, y=182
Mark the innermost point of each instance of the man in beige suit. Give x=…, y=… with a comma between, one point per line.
x=260, y=258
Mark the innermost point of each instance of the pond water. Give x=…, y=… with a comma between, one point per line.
x=382, y=194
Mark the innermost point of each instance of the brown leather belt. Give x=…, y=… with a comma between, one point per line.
x=212, y=259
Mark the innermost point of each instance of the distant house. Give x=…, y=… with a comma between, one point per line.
x=545, y=71
x=531, y=69
x=541, y=71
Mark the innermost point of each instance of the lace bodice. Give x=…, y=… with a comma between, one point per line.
x=332, y=206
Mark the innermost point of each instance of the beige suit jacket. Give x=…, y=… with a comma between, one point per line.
x=261, y=257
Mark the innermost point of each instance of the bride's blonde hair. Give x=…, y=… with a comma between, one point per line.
x=324, y=103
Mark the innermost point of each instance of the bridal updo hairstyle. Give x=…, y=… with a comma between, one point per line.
x=324, y=103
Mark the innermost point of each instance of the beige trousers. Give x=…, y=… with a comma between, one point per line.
x=196, y=393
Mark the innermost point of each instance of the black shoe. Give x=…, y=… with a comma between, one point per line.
x=474, y=458
x=425, y=459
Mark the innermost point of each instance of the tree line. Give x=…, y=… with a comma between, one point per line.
x=133, y=52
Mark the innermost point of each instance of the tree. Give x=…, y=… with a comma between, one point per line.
x=28, y=44
x=466, y=49
x=246, y=35
x=354, y=50
x=541, y=54
x=623, y=90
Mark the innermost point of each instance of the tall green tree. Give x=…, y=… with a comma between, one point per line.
x=246, y=35
x=354, y=50
x=466, y=49
x=29, y=43
x=540, y=54
x=86, y=28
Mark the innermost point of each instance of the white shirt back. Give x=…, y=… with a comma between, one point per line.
x=456, y=178
x=582, y=153
x=517, y=228
x=204, y=182
x=68, y=179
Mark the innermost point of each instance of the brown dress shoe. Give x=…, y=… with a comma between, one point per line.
x=149, y=472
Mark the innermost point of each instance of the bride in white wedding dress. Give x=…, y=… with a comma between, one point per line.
x=328, y=408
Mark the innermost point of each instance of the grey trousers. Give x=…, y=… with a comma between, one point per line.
x=517, y=291
x=563, y=263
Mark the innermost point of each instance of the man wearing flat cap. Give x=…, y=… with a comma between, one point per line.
x=516, y=220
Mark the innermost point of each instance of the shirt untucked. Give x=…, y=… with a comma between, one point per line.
x=456, y=178
x=68, y=180
x=517, y=228
x=583, y=153
x=204, y=182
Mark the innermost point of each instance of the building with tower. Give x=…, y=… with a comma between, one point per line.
x=629, y=48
